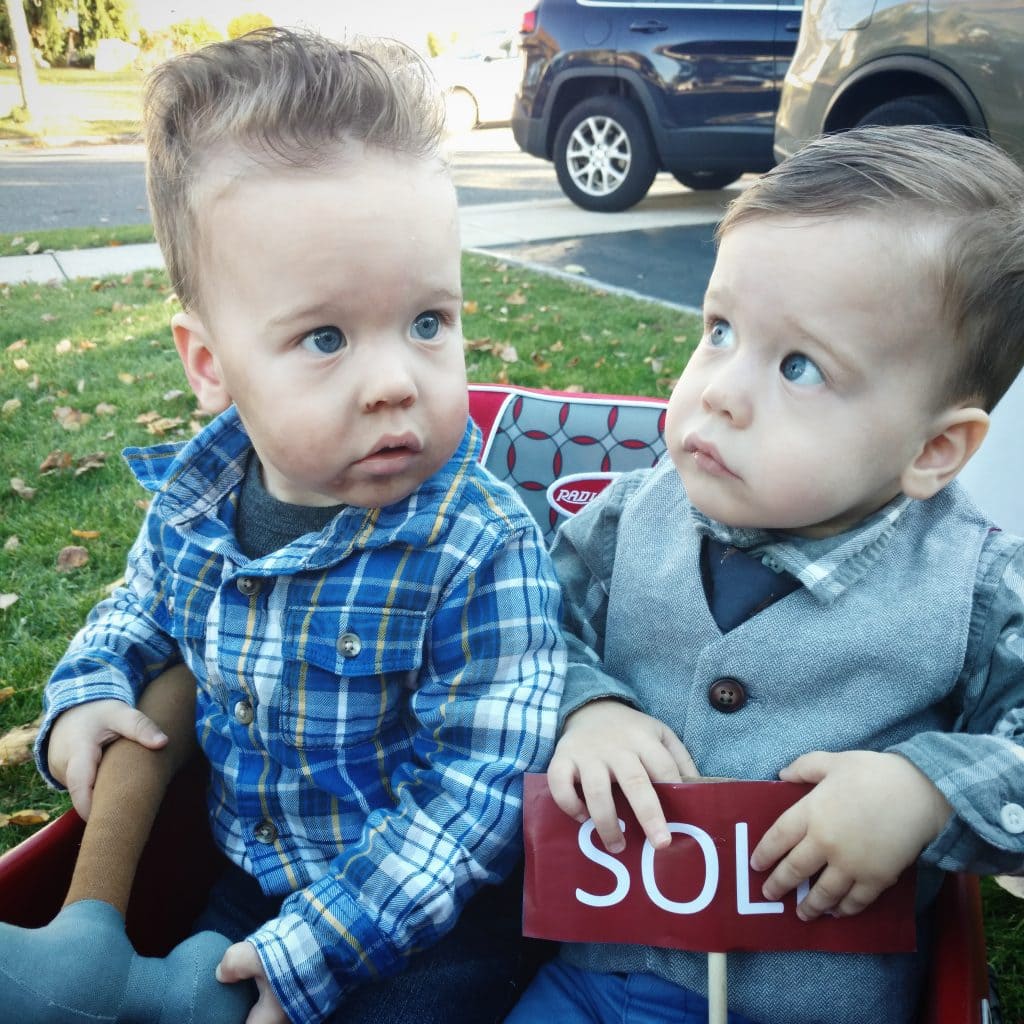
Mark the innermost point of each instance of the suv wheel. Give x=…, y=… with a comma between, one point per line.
x=925, y=109
x=604, y=157
x=705, y=181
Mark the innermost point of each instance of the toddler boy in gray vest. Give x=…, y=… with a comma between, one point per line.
x=801, y=590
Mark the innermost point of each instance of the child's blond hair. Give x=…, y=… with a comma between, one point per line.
x=279, y=97
x=925, y=177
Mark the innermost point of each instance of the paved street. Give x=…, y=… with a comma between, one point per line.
x=510, y=205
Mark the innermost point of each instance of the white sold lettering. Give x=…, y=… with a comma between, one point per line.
x=744, y=904
x=606, y=860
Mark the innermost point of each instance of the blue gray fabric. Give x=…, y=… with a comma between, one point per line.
x=47, y=976
x=905, y=636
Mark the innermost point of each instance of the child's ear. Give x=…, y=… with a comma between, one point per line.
x=957, y=435
x=192, y=340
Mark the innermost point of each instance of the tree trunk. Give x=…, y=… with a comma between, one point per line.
x=27, y=77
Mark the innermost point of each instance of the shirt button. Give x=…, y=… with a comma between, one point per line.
x=349, y=645
x=247, y=586
x=727, y=695
x=265, y=833
x=244, y=713
x=1012, y=817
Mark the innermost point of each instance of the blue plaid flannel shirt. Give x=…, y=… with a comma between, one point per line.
x=368, y=697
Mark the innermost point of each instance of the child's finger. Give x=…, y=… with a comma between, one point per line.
x=597, y=791
x=788, y=829
x=674, y=745
x=859, y=898
x=810, y=767
x=81, y=778
x=827, y=893
x=562, y=776
x=643, y=798
x=804, y=860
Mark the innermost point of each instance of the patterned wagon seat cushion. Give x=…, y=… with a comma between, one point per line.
x=561, y=450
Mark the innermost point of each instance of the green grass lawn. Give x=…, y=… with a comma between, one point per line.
x=87, y=368
x=73, y=102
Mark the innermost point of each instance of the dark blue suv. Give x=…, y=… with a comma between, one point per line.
x=614, y=91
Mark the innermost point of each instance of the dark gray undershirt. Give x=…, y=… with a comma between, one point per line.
x=265, y=524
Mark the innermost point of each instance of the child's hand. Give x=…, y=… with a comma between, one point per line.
x=79, y=736
x=869, y=817
x=605, y=742
x=241, y=962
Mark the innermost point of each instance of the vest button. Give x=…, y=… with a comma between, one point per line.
x=727, y=695
x=265, y=833
x=247, y=586
x=349, y=645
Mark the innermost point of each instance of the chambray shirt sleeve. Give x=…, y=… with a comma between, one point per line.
x=584, y=557
x=979, y=767
x=485, y=711
x=118, y=650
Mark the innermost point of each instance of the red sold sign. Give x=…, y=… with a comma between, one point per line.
x=700, y=892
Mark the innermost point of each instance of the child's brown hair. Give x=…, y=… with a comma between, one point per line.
x=278, y=97
x=932, y=178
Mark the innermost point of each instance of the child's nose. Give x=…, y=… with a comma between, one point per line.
x=388, y=379
x=728, y=394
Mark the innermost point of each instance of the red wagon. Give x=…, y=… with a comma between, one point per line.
x=559, y=450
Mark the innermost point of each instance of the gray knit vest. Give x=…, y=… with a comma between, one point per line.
x=864, y=671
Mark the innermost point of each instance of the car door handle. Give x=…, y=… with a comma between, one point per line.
x=648, y=27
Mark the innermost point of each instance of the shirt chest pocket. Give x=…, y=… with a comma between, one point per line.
x=179, y=606
x=347, y=670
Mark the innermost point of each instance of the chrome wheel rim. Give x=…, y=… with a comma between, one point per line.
x=598, y=156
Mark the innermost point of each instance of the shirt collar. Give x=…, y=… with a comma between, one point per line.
x=826, y=566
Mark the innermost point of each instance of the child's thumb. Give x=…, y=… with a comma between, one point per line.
x=134, y=725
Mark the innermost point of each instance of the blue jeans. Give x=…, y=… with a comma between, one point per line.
x=472, y=976
x=568, y=995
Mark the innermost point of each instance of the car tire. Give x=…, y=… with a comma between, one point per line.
x=460, y=112
x=939, y=111
x=706, y=181
x=604, y=156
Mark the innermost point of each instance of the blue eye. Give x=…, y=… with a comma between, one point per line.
x=324, y=341
x=796, y=367
x=426, y=326
x=718, y=334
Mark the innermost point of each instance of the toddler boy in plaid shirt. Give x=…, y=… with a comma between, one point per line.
x=371, y=619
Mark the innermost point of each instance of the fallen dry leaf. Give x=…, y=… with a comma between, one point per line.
x=71, y=419
x=6, y=693
x=32, y=248
x=105, y=409
x=63, y=347
x=22, y=364
x=16, y=746
x=12, y=543
x=126, y=378
x=55, y=461
x=1012, y=885
x=28, y=817
x=15, y=242
x=170, y=396
x=17, y=346
x=540, y=362
x=71, y=558
x=48, y=318
x=21, y=489
x=508, y=354
x=161, y=426
x=11, y=406
x=86, y=534
x=147, y=417
x=86, y=463
x=6, y=600
x=470, y=306
x=517, y=298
